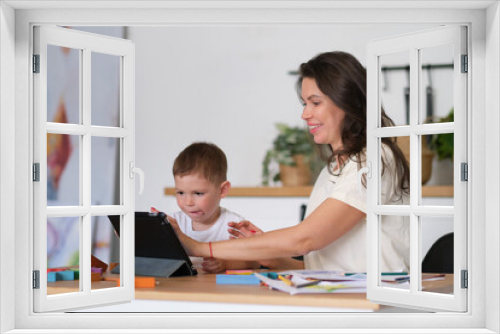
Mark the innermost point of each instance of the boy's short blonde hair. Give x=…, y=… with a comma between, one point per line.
x=202, y=158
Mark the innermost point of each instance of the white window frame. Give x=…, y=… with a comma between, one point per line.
x=484, y=99
x=414, y=42
x=86, y=43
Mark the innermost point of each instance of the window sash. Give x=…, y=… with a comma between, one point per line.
x=86, y=43
x=413, y=43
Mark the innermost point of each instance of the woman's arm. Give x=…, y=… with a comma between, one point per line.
x=331, y=220
x=245, y=229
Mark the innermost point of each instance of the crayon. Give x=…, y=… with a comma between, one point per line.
x=285, y=279
x=239, y=272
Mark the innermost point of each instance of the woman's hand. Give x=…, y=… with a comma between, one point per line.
x=213, y=265
x=243, y=229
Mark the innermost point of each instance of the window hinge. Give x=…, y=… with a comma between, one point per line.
x=464, y=171
x=36, y=63
x=36, y=172
x=36, y=279
x=465, y=64
x=465, y=279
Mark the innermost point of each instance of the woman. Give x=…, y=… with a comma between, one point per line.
x=332, y=87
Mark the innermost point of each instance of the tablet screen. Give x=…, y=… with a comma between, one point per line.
x=154, y=237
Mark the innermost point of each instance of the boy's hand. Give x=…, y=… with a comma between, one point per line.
x=213, y=265
x=243, y=229
x=175, y=225
x=190, y=245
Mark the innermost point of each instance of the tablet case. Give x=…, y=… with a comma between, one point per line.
x=158, y=251
x=150, y=266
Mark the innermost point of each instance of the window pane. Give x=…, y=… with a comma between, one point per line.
x=105, y=249
x=437, y=83
x=116, y=251
x=105, y=90
x=427, y=158
x=63, y=85
x=63, y=169
x=394, y=251
x=63, y=255
x=437, y=167
x=105, y=171
x=388, y=175
x=436, y=253
x=395, y=86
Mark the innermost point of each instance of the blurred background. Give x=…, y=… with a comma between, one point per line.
x=228, y=85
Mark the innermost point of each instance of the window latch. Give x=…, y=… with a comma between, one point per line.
x=365, y=170
x=134, y=170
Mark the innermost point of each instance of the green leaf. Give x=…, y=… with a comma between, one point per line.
x=290, y=141
x=443, y=143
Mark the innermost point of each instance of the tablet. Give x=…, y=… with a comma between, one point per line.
x=155, y=239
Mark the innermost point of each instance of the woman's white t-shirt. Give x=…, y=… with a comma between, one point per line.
x=216, y=232
x=349, y=252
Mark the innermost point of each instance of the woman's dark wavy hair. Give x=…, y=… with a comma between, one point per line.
x=341, y=77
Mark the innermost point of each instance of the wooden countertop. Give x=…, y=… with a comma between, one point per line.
x=305, y=191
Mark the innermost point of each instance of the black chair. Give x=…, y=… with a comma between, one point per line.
x=439, y=258
x=302, y=215
x=303, y=209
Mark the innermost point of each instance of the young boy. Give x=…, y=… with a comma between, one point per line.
x=200, y=184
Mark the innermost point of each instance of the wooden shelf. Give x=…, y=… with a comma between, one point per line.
x=305, y=191
x=437, y=191
x=263, y=191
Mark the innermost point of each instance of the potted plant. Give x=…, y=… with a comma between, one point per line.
x=443, y=143
x=440, y=144
x=293, y=150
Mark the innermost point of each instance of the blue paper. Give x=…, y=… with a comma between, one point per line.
x=51, y=276
x=237, y=279
x=67, y=275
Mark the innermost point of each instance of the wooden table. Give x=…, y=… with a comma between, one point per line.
x=202, y=288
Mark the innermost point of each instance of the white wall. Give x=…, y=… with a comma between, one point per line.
x=491, y=153
x=7, y=166
x=229, y=85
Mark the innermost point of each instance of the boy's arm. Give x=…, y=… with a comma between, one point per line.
x=284, y=263
x=214, y=265
x=220, y=266
x=242, y=265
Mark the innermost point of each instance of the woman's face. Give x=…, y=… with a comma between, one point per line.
x=323, y=117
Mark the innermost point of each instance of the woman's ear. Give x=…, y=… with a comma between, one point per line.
x=224, y=188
